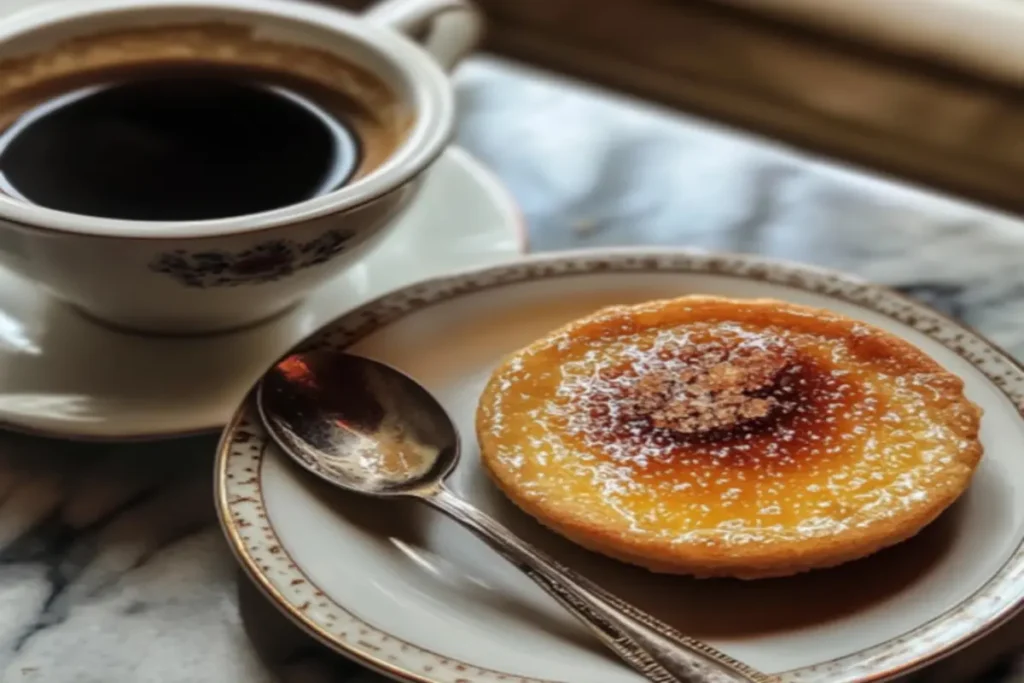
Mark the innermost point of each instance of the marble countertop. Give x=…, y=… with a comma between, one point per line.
x=112, y=568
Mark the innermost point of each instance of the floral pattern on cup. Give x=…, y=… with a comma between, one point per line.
x=265, y=262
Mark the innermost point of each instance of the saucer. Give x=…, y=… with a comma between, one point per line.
x=403, y=590
x=66, y=376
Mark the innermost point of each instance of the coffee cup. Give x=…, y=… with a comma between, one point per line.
x=212, y=273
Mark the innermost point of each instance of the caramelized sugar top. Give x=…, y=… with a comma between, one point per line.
x=709, y=430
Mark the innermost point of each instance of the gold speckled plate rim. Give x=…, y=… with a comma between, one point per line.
x=252, y=538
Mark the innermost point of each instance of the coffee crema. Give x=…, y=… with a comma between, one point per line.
x=192, y=123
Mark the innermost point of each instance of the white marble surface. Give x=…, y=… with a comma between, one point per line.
x=111, y=567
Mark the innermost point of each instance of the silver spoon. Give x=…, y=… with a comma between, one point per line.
x=367, y=428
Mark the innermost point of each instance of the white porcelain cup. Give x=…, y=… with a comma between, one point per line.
x=215, y=275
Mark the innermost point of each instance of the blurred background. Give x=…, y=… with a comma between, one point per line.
x=929, y=90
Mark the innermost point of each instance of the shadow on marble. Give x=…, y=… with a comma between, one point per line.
x=291, y=655
x=112, y=566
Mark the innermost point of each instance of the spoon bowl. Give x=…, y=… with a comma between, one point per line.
x=358, y=423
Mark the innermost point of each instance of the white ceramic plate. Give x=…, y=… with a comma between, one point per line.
x=409, y=593
x=63, y=375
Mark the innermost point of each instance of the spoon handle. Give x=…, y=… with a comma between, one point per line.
x=656, y=650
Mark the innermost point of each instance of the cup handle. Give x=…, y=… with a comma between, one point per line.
x=447, y=29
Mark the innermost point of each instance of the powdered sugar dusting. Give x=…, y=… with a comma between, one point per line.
x=834, y=439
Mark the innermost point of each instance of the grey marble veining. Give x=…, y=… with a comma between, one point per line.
x=112, y=569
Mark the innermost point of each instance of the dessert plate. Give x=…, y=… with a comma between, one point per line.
x=64, y=375
x=408, y=593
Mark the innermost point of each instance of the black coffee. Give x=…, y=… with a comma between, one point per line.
x=179, y=146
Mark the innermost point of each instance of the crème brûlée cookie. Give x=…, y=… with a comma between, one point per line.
x=721, y=437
